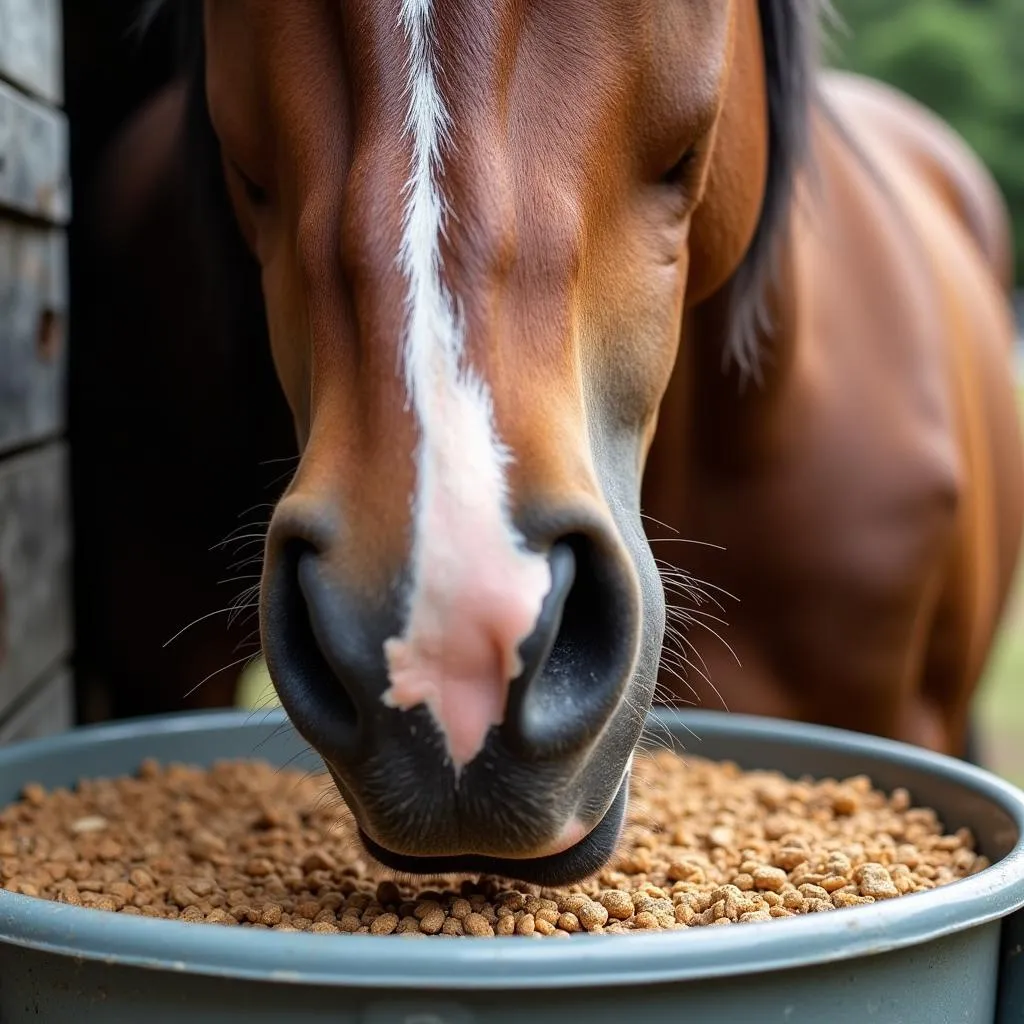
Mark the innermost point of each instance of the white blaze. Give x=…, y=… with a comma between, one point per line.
x=476, y=591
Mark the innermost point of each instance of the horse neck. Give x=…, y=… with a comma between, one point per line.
x=721, y=417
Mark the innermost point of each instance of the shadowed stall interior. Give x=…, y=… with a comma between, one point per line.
x=180, y=434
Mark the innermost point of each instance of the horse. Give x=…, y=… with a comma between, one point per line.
x=540, y=280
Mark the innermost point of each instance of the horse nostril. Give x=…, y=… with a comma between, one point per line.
x=536, y=648
x=298, y=648
x=576, y=663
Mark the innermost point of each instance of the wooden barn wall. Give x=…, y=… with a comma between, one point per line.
x=36, y=628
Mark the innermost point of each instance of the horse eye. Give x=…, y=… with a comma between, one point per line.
x=256, y=194
x=676, y=174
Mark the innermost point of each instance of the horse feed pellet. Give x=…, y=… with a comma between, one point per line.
x=246, y=845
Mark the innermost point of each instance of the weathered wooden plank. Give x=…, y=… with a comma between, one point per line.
x=30, y=46
x=47, y=709
x=34, y=171
x=35, y=566
x=33, y=325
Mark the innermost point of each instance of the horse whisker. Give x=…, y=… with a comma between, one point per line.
x=202, y=618
x=238, y=661
x=248, y=537
x=685, y=540
x=657, y=522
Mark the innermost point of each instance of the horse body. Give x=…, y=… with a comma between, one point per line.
x=504, y=250
x=868, y=495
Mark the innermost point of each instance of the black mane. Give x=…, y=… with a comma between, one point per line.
x=791, y=31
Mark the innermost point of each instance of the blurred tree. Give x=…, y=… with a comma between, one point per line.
x=962, y=58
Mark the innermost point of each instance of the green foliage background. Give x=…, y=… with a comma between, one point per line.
x=962, y=58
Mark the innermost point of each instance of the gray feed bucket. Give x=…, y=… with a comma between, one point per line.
x=947, y=955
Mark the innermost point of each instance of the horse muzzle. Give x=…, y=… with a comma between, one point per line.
x=542, y=795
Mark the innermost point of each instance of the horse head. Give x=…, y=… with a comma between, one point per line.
x=478, y=228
